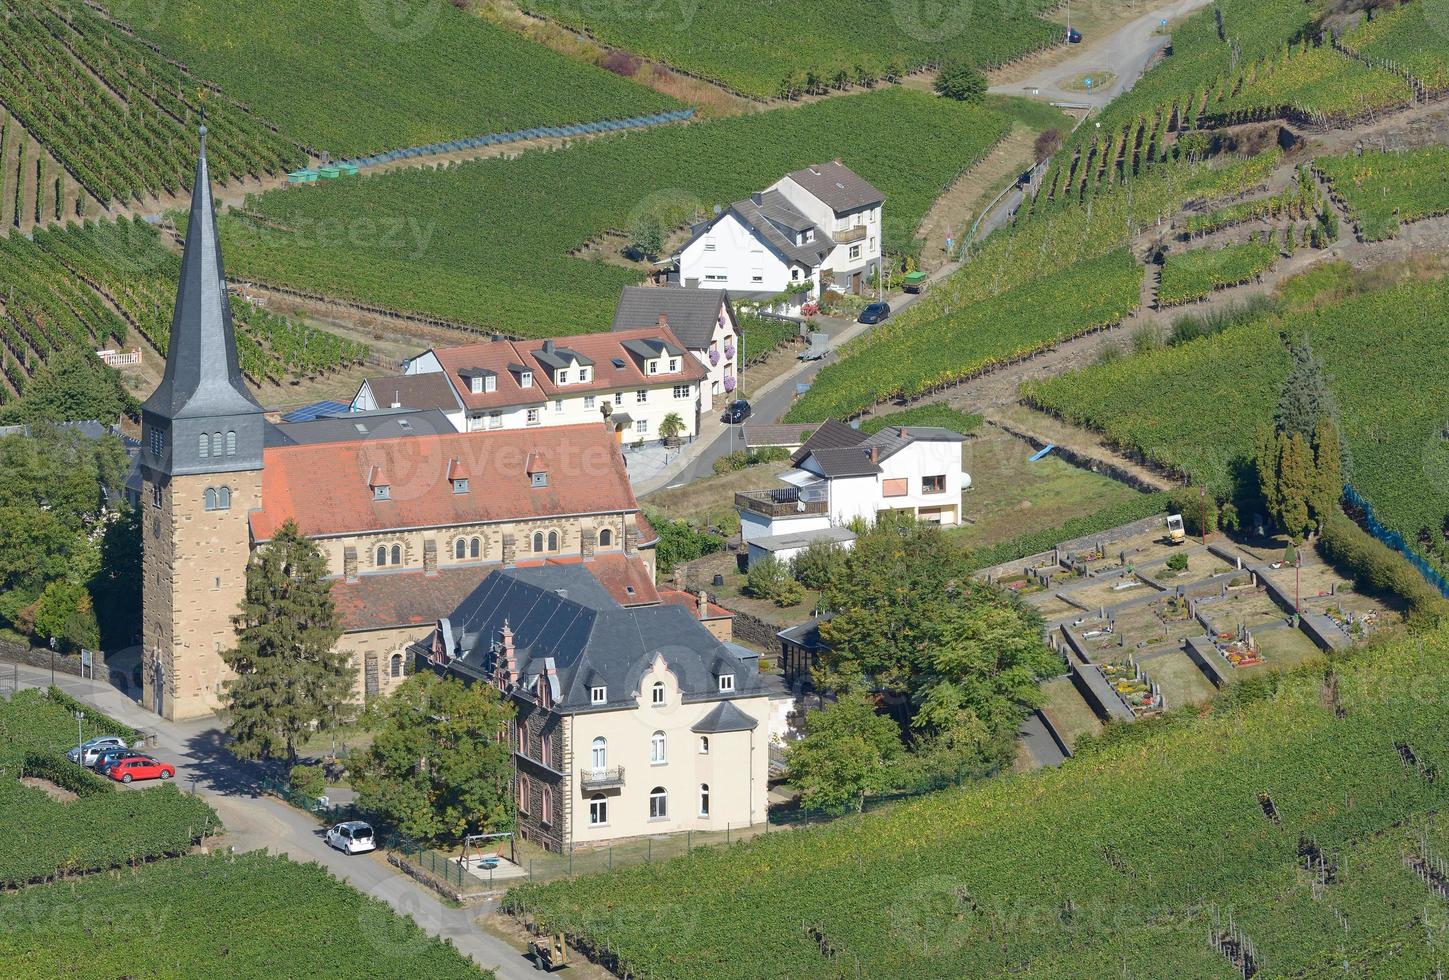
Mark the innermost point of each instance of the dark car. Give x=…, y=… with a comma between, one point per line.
x=736, y=412
x=875, y=313
x=1074, y=36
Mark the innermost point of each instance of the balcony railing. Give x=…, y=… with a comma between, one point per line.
x=849, y=235
x=590, y=779
x=781, y=502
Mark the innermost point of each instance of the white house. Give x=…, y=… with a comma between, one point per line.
x=637, y=378
x=841, y=475
x=811, y=228
x=704, y=322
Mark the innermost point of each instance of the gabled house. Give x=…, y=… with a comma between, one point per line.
x=633, y=718
x=813, y=228
x=419, y=392
x=704, y=322
x=842, y=475
x=633, y=378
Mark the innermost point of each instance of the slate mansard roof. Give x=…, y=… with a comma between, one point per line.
x=563, y=618
x=693, y=314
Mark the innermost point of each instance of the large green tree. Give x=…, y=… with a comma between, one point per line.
x=291, y=680
x=957, y=659
x=960, y=80
x=845, y=754
x=1305, y=396
x=437, y=769
x=72, y=386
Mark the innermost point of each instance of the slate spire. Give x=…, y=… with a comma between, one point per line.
x=203, y=375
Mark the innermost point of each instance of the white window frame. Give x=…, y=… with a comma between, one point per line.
x=681, y=391
x=726, y=682
x=641, y=396
x=704, y=745
x=704, y=800
x=656, y=694
x=558, y=404
x=525, y=379
x=495, y=419
x=588, y=401
x=598, y=695
x=659, y=803
x=598, y=810
x=599, y=753
x=532, y=416
x=658, y=749
x=673, y=364
x=641, y=426
x=855, y=251
x=475, y=384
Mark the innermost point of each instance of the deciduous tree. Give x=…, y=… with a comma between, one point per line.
x=845, y=753
x=437, y=768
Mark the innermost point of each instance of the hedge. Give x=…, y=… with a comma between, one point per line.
x=1377, y=568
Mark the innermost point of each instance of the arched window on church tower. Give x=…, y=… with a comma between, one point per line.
x=231, y=443
x=223, y=499
x=209, y=498
x=538, y=541
x=553, y=541
x=475, y=548
x=203, y=448
x=381, y=555
x=460, y=549
x=396, y=555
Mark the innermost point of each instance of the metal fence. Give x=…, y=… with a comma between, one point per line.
x=1396, y=541
x=517, y=136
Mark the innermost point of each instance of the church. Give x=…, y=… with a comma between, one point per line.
x=411, y=514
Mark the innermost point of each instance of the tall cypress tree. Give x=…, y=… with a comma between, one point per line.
x=1305, y=397
x=1328, y=474
x=290, y=679
x=1295, y=484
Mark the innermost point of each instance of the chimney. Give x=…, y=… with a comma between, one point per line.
x=664, y=319
x=396, y=399
x=548, y=346
x=875, y=454
x=703, y=605
x=904, y=432
x=757, y=197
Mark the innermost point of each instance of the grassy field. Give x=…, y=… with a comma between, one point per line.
x=1162, y=829
x=754, y=46
x=1011, y=496
x=1195, y=407
x=491, y=239
x=359, y=78
x=250, y=916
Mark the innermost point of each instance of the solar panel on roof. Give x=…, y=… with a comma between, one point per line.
x=315, y=411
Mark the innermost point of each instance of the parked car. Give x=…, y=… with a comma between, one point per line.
x=140, y=767
x=111, y=754
x=1074, y=36
x=85, y=753
x=736, y=412
x=874, y=313
x=352, y=837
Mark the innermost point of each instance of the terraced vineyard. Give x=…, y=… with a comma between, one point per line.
x=1195, y=408
x=1382, y=190
x=492, y=238
x=376, y=76
x=1298, y=203
x=1131, y=859
x=770, y=48
x=1397, y=39
x=1031, y=259
x=281, y=919
x=1311, y=84
x=1187, y=276
x=89, y=285
x=119, y=117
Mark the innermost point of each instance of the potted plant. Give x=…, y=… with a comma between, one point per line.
x=670, y=428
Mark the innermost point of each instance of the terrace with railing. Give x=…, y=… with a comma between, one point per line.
x=779, y=502
x=610, y=778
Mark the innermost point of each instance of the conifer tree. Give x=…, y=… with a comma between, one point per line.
x=1304, y=397
x=1328, y=476
x=291, y=681
x=1295, y=484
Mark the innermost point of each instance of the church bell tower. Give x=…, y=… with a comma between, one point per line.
x=201, y=465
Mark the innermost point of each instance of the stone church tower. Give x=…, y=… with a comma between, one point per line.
x=201, y=468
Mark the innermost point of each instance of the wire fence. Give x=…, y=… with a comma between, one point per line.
x=1396, y=541
x=518, y=136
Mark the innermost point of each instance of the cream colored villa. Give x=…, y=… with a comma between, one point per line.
x=633, y=718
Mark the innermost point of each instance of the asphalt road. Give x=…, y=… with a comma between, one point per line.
x=257, y=822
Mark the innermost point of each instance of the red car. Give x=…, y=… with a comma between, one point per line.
x=141, y=767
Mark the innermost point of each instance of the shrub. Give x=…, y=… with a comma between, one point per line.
x=818, y=565
x=960, y=80
x=1376, y=567
x=679, y=542
x=308, y=780
x=1178, y=562
x=769, y=578
x=621, y=63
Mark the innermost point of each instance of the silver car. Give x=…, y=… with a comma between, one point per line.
x=352, y=837
x=86, y=752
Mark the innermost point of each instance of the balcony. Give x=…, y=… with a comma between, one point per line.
x=849, y=235
x=783, y=502
x=594, y=779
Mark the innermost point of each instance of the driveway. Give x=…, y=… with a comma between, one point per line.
x=255, y=822
x=1127, y=52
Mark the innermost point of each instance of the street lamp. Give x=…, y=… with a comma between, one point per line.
x=52, y=661
x=79, y=738
x=1202, y=515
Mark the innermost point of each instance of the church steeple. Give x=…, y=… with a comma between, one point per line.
x=202, y=393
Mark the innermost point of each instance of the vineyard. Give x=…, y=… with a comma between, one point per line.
x=1194, y=408
x=249, y=916
x=769, y=48
x=1308, y=84
x=902, y=358
x=1298, y=203
x=89, y=285
x=1129, y=860
x=492, y=238
x=1188, y=276
x=120, y=118
x=1382, y=190
x=380, y=76
x=1396, y=39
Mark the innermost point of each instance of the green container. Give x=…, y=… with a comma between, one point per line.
x=347, y=169
x=328, y=173
x=914, y=281
x=302, y=177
